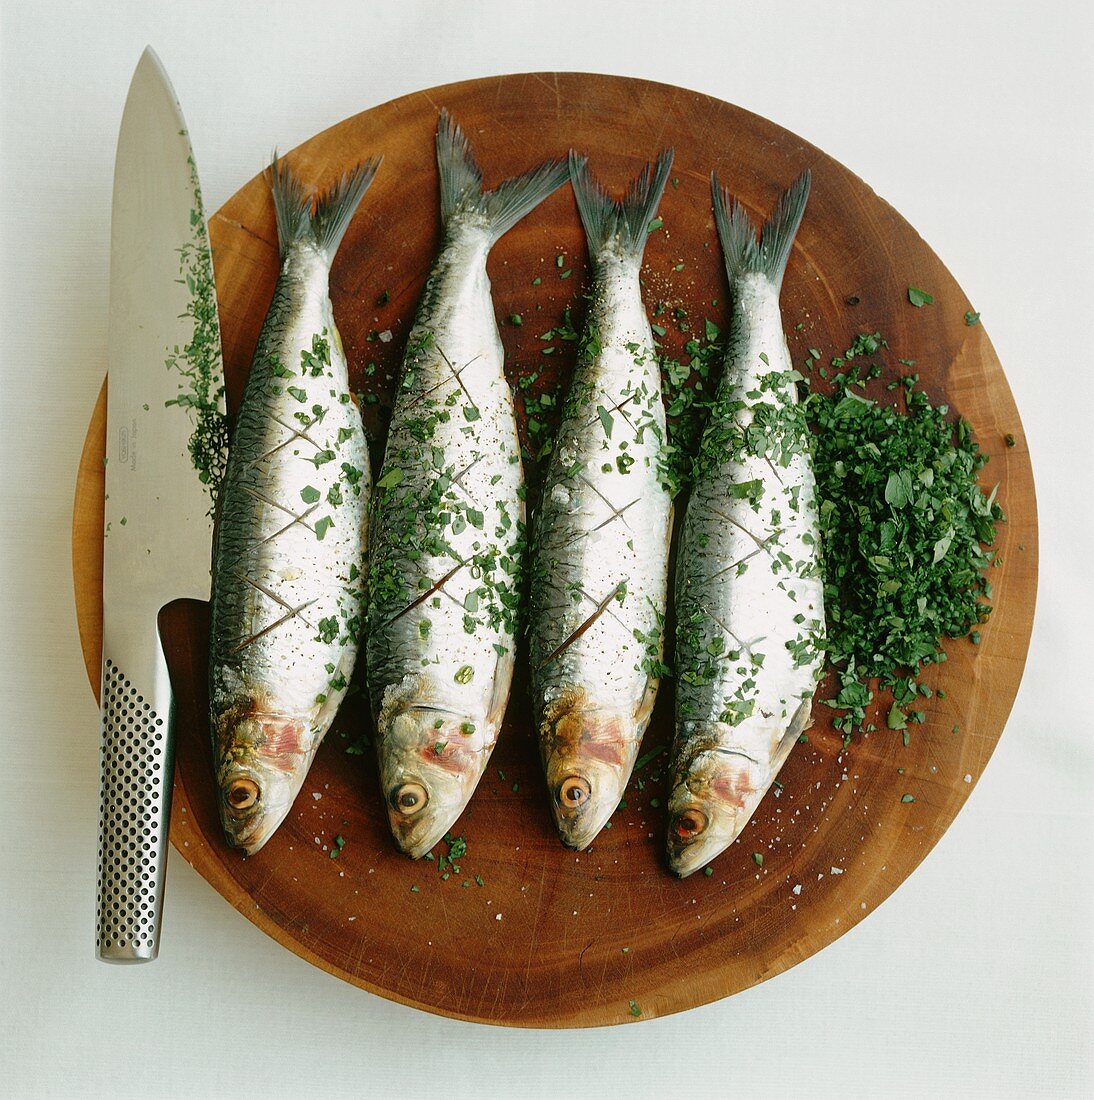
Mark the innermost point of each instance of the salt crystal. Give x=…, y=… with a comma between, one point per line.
x=385, y=336
x=968, y=778
x=497, y=917
x=316, y=795
x=797, y=889
x=837, y=870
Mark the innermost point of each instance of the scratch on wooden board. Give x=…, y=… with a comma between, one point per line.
x=250, y=232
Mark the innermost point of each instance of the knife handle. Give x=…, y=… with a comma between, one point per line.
x=137, y=766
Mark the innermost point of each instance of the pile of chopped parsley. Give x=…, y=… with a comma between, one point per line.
x=905, y=529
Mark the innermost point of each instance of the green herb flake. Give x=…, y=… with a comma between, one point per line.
x=646, y=757
x=919, y=298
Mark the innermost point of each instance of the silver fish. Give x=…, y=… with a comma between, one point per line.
x=288, y=562
x=448, y=525
x=600, y=556
x=749, y=595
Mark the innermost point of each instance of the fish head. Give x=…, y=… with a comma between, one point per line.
x=430, y=762
x=714, y=792
x=588, y=754
x=262, y=761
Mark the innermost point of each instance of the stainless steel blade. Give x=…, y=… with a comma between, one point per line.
x=165, y=406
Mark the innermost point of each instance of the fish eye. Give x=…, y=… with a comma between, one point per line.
x=690, y=823
x=242, y=794
x=409, y=798
x=574, y=792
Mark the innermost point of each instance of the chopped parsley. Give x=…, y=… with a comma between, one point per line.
x=905, y=531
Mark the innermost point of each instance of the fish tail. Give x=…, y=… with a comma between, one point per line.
x=461, y=183
x=320, y=221
x=619, y=225
x=768, y=254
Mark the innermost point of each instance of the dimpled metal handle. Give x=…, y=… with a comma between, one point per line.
x=137, y=757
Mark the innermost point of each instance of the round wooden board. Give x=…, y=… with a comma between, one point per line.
x=530, y=933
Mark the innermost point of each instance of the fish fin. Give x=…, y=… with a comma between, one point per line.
x=620, y=226
x=292, y=204
x=801, y=721
x=322, y=221
x=743, y=252
x=461, y=183
x=335, y=208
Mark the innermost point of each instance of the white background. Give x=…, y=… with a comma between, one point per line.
x=972, y=119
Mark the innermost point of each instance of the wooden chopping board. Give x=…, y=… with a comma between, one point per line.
x=529, y=933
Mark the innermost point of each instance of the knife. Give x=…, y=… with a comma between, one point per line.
x=165, y=445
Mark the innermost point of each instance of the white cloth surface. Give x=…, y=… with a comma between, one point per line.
x=974, y=119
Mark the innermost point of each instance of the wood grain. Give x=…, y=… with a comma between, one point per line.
x=550, y=937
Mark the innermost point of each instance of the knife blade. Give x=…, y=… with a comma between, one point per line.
x=166, y=438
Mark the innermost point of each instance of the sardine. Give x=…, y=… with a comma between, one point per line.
x=600, y=556
x=749, y=596
x=288, y=587
x=448, y=525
